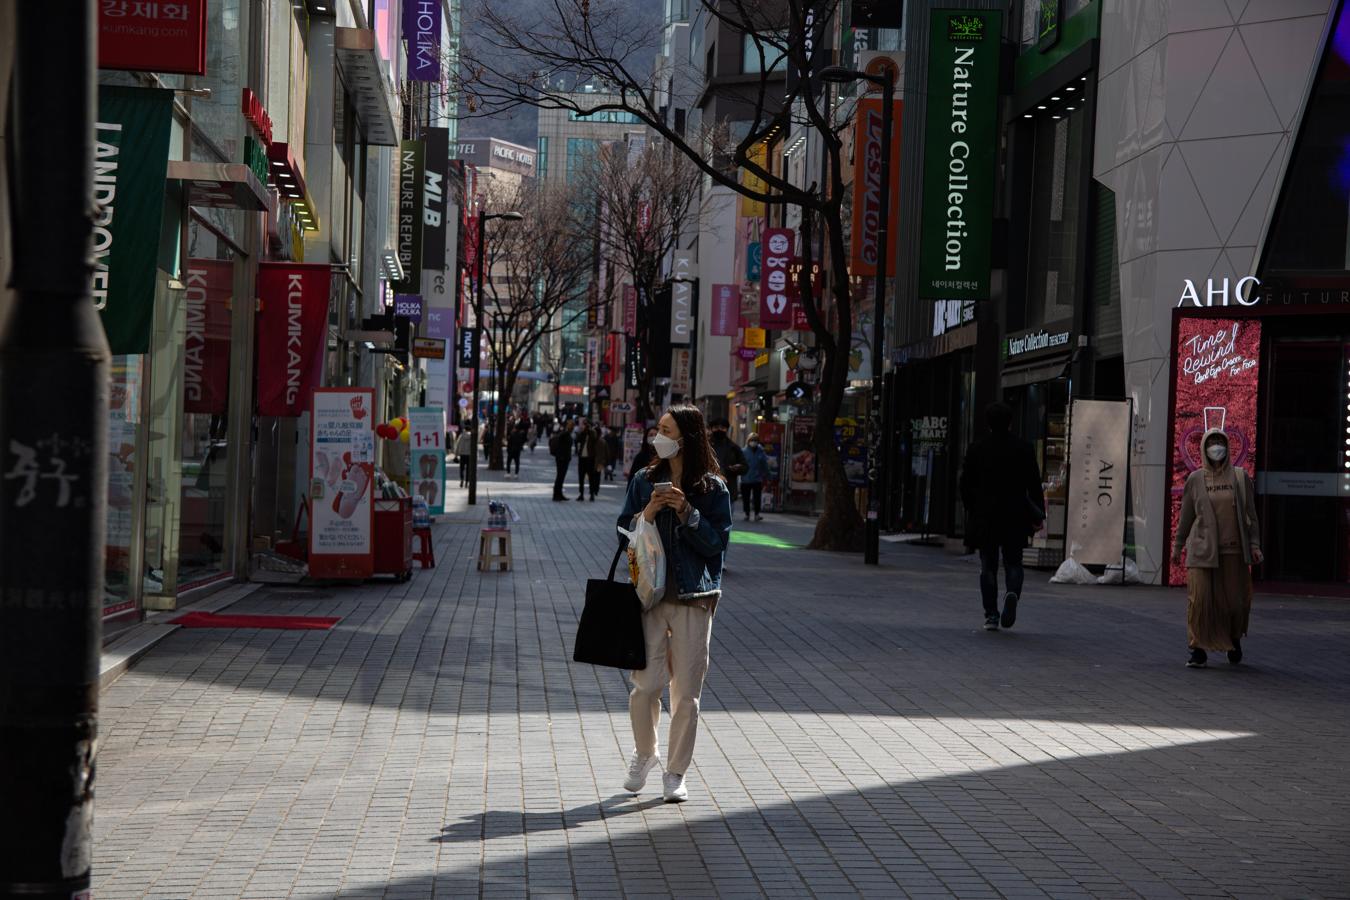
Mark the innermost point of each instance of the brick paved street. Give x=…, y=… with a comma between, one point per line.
x=861, y=736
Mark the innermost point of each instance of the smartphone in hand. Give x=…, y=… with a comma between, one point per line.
x=662, y=486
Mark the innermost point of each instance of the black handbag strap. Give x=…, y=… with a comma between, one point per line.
x=613, y=567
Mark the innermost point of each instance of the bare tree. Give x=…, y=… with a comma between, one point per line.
x=601, y=41
x=645, y=203
x=539, y=267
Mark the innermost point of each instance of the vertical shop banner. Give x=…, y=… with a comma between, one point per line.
x=776, y=290
x=679, y=371
x=960, y=144
x=292, y=334
x=206, y=343
x=1099, y=459
x=592, y=361
x=799, y=320
x=748, y=208
x=1218, y=362
x=630, y=310
x=726, y=312
x=342, y=483
x=153, y=36
x=435, y=199
x=632, y=363
x=470, y=226
x=131, y=158
x=468, y=350
x=867, y=187
x=426, y=447
x=683, y=271
x=411, y=187
x=422, y=29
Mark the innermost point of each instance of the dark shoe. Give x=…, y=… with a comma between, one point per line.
x=991, y=622
x=1009, y=610
x=1235, y=655
x=759, y=518
x=1198, y=659
x=582, y=497
x=592, y=498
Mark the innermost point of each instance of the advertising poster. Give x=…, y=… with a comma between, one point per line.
x=1099, y=446
x=802, y=466
x=292, y=334
x=131, y=159
x=771, y=438
x=206, y=339
x=849, y=438
x=1217, y=365
x=341, y=483
x=426, y=444
x=632, y=444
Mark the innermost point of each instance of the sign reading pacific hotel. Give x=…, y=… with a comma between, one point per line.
x=960, y=141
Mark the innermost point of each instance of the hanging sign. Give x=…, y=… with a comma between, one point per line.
x=776, y=290
x=1217, y=367
x=632, y=363
x=206, y=339
x=152, y=36
x=341, y=483
x=1099, y=448
x=867, y=186
x=411, y=185
x=426, y=448
x=408, y=306
x=726, y=313
x=959, y=154
x=468, y=349
x=755, y=338
x=629, y=310
x=422, y=28
x=292, y=334
x=682, y=274
x=679, y=371
x=435, y=209
x=428, y=348
x=131, y=158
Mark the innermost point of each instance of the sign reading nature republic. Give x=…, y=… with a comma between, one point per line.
x=959, y=154
x=1218, y=362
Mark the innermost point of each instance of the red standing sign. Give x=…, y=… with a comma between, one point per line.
x=154, y=36
x=292, y=335
x=776, y=290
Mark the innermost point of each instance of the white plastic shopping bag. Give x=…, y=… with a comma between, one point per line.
x=1072, y=572
x=646, y=562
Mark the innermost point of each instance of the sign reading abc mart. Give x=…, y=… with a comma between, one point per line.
x=776, y=291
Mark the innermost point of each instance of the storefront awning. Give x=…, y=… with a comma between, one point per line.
x=221, y=185
x=363, y=72
x=1042, y=370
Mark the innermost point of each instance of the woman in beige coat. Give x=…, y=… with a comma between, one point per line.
x=1220, y=534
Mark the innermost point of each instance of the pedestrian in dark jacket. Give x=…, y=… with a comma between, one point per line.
x=614, y=445
x=515, y=443
x=1005, y=504
x=729, y=456
x=588, y=459
x=645, y=455
x=560, y=445
x=756, y=474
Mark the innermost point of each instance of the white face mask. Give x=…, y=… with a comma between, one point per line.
x=1216, y=452
x=665, y=447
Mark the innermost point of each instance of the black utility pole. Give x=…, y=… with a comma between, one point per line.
x=54, y=368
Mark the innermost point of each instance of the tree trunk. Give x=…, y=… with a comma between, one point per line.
x=497, y=461
x=840, y=527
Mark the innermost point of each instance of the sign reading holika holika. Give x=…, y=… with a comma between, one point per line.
x=131, y=158
x=1099, y=436
x=959, y=154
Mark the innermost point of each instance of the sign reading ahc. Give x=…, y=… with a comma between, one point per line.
x=1241, y=292
x=959, y=170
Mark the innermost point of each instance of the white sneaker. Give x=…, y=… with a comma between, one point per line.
x=675, y=791
x=638, y=770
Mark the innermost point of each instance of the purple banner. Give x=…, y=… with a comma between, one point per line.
x=726, y=311
x=422, y=30
x=408, y=306
x=440, y=322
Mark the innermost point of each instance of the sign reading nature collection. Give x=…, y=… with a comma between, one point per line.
x=959, y=154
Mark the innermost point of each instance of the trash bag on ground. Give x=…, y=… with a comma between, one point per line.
x=646, y=562
x=1112, y=574
x=1072, y=572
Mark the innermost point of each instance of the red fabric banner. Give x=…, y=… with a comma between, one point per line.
x=292, y=335
x=154, y=36
x=206, y=346
x=726, y=311
x=867, y=187
x=1218, y=362
x=776, y=290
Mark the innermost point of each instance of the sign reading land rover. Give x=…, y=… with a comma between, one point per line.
x=959, y=148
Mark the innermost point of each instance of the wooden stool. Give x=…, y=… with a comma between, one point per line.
x=487, y=557
x=425, y=554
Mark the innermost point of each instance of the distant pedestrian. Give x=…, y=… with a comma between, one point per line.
x=756, y=474
x=729, y=456
x=646, y=453
x=1005, y=505
x=560, y=446
x=614, y=446
x=683, y=494
x=489, y=435
x=515, y=442
x=1222, y=538
x=587, y=452
x=464, y=451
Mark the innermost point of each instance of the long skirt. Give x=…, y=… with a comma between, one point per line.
x=1219, y=603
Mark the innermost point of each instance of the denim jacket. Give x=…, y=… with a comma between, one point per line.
x=696, y=547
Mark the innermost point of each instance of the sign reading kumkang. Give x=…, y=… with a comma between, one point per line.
x=959, y=154
x=292, y=334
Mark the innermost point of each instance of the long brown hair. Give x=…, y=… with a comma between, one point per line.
x=700, y=463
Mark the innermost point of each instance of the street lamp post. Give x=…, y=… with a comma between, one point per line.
x=483, y=219
x=876, y=433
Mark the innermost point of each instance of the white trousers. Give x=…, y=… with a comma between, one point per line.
x=677, y=654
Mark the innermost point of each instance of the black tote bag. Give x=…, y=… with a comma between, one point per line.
x=610, y=631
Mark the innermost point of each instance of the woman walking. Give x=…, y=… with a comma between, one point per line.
x=1219, y=531
x=756, y=473
x=683, y=493
x=464, y=450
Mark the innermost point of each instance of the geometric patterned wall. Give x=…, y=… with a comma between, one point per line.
x=1197, y=108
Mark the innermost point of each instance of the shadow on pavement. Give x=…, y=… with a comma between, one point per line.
x=499, y=823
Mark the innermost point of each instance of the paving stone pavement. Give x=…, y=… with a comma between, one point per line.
x=860, y=736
